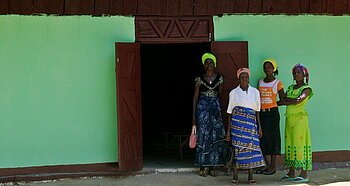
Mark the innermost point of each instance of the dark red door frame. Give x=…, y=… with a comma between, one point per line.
x=128, y=77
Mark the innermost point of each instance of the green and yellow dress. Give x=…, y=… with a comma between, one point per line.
x=297, y=133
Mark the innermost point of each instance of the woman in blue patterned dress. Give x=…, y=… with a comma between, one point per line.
x=206, y=120
x=245, y=130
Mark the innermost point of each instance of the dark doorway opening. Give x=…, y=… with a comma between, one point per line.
x=168, y=72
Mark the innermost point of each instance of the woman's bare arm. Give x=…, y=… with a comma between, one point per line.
x=299, y=99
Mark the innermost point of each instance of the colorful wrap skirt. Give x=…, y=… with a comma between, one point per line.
x=245, y=139
x=210, y=132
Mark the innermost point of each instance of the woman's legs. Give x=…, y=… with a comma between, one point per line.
x=291, y=172
x=302, y=177
x=289, y=176
x=303, y=173
x=250, y=176
x=261, y=170
x=235, y=173
x=271, y=166
x=235, y=176
x=273, y=162
x=212, y=171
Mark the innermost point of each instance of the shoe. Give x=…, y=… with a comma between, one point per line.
x=234, y=182
x=269, y=172
x=300, y=180
x=202, y=173
x=260, y=171
x=251, y=182
x=212, y=172
x=286, y=178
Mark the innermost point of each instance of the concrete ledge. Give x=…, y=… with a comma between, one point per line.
x=322, y=160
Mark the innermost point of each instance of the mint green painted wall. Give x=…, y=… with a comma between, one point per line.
x=57, y=95
x=322, y=43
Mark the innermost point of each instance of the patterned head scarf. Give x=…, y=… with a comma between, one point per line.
x=208, y=56
x=304, y=70
x=241, y=70
x=273, y=62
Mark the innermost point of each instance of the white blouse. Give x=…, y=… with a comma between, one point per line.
x=248, y=99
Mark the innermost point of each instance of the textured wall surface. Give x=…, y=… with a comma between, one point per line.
x=58, y=103
x=322, y=43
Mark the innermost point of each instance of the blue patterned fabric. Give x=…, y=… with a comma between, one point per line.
x=245, y=139
x=210, y=132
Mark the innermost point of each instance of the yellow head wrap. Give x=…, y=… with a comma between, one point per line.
x=208, y=56
x=273, y=62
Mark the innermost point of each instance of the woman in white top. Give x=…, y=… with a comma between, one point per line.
x=244, y=133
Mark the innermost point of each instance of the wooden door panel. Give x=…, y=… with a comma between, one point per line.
x=174, y=29
x=128, y=70
x=231, y=55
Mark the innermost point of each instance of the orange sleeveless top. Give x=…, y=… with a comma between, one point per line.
x=268, y=93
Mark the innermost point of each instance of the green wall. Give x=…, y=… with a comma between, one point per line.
x=322, y=43
x=57, y=80
x=57, y=89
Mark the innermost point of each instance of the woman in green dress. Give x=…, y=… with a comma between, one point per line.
x=298, y=153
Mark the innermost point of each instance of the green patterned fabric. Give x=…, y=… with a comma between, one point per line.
x=297, y=133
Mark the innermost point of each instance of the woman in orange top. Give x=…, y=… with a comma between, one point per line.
x=270, y=142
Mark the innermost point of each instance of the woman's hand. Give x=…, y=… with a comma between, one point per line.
x=228, y=137
x=260, y=133
x=194, y=129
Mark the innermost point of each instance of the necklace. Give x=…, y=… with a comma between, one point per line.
x=210, y=79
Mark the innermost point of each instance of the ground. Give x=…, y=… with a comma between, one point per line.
x=330, y=176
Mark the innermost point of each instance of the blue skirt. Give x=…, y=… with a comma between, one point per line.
x=210, y=132
x=245, y=139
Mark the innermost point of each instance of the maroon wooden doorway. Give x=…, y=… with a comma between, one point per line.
x=168, y=72
x=167, y=75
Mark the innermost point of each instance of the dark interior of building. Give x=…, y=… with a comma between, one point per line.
x=168, y=72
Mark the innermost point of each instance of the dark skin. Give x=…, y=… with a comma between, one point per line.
x=244, y=84
x=269, y=77
x=209, y=76
x=298, y=76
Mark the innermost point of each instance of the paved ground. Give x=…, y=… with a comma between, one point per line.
x=333, y=176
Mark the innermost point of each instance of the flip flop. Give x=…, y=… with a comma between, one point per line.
x=234, y=182
x=260, y=171
x=212, y=172
x=286, y=178
x=251, y=182
x=202, y=173
x=300, y=180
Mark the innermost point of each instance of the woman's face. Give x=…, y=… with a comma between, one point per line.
x=244, y=78
x=268, y=68
x=298, y=74
x=209, y=64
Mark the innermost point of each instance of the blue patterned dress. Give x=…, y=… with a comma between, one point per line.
x=210, y=127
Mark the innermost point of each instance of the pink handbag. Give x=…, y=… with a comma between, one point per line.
x=193, y=140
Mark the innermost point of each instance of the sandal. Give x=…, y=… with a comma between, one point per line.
x=202, y=173
x=300, y=180
x=251, y=182
x=286, y=178
x=234, y=182
x=260, y=171
x=212, y=172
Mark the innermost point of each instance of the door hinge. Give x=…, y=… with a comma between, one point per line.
x=209, y=36
x=117, y=59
